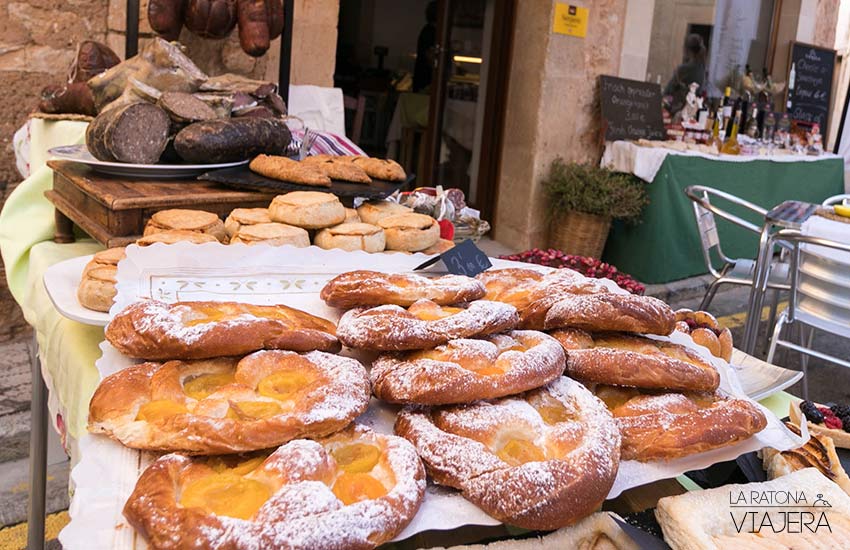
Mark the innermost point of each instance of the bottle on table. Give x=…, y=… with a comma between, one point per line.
x=726, y=113
x=769, y=127
x=792, y=77
x=782, y=138
x=753, y=123
x=730, y=146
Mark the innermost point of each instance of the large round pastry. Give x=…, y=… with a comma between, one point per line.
x=372, y=288
x=705, y=331
x=355, y=490
x=155, y=330
x=602, y=312
x=410, y=232
x=467, y=370
x=540, y=460
x=307, y=209
x=667, y=425
x=423, y=325
x=520, y=286
x=628, y=360
x=229, y=405
x=179, y=219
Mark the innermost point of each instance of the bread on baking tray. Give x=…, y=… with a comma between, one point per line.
x=229, y=405
x=274, y=234
x=179, y=219
x=381, y=169
x=354, y=489
x=336, y=169
x=173, y=237
x=468, y=370
x=307, y=209
x=363, y=288
x=410, y=232
x=351, y=236
x=705, y=520
x=661, y=425
x=374, y=211
x=424, y=324
x=154, y=330
x=630, y=360
x=286, y=169
x=239, y=217
x=540, y=460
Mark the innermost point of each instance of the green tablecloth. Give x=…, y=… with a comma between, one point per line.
x=666, y=246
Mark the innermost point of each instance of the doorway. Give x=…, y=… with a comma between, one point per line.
x=425, y=83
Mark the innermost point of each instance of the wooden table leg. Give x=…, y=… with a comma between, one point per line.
x=64, y=228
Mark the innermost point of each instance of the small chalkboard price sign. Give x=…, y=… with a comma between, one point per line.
x=811, y=70
x=463, y=259
x=631, y=109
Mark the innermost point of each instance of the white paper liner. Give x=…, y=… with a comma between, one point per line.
x=261, y=274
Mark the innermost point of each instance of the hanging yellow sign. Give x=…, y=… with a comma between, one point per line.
x=571, y=20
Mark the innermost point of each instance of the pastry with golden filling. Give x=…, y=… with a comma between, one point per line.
x=467, y=370
x=628, y=360
x=372, y=288
x=179, y=219
x=540, y=460
x=423, y=325
x=521, y=286
x=154, y=330
x=240, y=217
x=664, y=425
x=229, y=405
x=601, y=312
x=355, y=489
x=410, y=232
x=705, y=331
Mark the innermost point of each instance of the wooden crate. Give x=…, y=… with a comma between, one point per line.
x=114, y=210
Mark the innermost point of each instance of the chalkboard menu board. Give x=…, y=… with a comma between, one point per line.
x=811, y=70
x=631, y=109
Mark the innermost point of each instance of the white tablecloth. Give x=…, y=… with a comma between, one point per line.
x=644, y=162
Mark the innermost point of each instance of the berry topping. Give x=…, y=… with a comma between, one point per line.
x=811, y=412
x=840, y=410
x=833, y=423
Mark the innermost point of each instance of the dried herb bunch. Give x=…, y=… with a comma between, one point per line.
x=594, y=190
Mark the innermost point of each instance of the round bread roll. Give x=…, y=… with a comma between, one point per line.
x=274, y=234
x=171, y=237
x=410, y=232
x=97, y=288
x=108, y=257
x=351, y=216
x=245, y=216
x=374, y=211
x=352, y=236
x=307, y=209
x=178, y=219
x=441, y=246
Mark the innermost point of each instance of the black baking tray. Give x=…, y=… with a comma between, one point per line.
x=241, y=177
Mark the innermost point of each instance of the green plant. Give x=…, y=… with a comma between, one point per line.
x=594, y=190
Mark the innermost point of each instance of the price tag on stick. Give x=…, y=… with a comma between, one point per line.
x=463, y=259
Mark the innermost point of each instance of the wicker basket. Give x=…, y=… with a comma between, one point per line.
x=580, y=233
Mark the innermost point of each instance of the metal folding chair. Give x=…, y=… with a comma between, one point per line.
x=819, y=297
x=735, y=271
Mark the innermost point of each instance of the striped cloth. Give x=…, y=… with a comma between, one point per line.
x=328, y=144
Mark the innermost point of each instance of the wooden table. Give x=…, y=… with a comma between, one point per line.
x=114, y=210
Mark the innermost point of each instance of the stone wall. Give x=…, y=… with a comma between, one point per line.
x=551, y=109
x=38, y=40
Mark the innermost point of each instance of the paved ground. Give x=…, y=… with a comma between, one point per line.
x=826, y=383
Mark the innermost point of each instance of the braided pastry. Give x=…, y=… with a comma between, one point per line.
x=520, y=286
x=599, y=313
x=663, y=426
x=422, y=325
x=371, y=288
x=198, y=330
x=228, y=405
x=356, y=490
x=464, y=371
x=540, y=460
x=626, y=360
x=706, y=331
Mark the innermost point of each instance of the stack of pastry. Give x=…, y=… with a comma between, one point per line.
x=256, y=413
x=664, y=397
x=97, y=284
x=486, y=405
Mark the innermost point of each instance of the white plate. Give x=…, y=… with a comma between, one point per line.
x=79, y=153
x=760, y=379
x=61, y=281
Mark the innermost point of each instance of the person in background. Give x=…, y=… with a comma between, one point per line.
x=692, y=70
x=425, y=49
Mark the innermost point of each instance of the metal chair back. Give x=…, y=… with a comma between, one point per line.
x=705, y=211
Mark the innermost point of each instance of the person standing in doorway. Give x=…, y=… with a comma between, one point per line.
x=691, y=70
x=425, y=47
